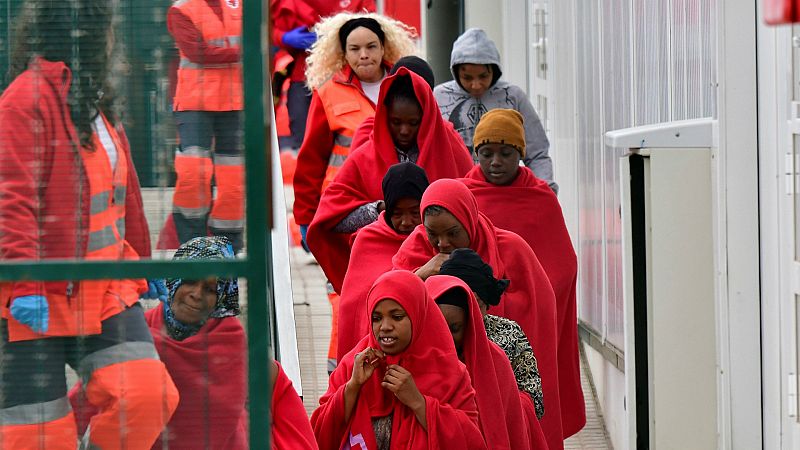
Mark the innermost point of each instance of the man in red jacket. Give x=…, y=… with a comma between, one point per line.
x=68, y=190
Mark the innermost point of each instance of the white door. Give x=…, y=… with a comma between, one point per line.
x=790, y=249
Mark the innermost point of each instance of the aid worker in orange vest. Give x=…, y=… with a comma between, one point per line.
x=208, y=111
x=291, y=21
x=68, y=190
x=352, y=55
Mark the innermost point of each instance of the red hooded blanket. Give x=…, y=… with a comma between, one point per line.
x=290, y=427
x=529, y=299
x=543, y=228
x=451, y=413
x=442, y=154
x=373, y=248
x=209, y=370
x=499, y=410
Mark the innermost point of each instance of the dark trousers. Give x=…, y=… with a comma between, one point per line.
x=207, y=134
x=298, y=100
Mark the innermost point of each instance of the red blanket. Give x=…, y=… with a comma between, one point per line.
x=441, y=153
x=373, y=248
x=535, y=432
x=543, y=228
x=209, y=370
x=291, y=429
x=529, y=299
x=451, y=413
x=496, y=392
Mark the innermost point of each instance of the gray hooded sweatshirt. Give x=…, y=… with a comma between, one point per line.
x=465, y=111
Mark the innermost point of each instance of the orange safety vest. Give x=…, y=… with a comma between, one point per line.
x=80, y=310
x=211, y=87
x=345, y=107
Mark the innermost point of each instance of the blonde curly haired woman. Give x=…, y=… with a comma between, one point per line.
x=352, y=55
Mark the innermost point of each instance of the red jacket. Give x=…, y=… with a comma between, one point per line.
x=44, y=193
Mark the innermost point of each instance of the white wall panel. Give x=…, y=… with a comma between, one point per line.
x=589, y=128
x=637, y=62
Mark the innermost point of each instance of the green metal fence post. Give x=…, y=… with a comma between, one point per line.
x=258, y=174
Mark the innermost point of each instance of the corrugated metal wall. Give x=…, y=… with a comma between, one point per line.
x=637, y=62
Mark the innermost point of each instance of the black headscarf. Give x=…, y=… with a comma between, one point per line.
x=467, y=265
x=454, y=296
x=352, y=24
x=402, y=180
x=417, y=65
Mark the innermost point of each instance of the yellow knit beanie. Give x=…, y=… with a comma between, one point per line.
x=501, y=126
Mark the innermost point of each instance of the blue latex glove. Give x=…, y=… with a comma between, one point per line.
x=33, y=311
x=303, y=232
x=156, y=289
x=299, y=38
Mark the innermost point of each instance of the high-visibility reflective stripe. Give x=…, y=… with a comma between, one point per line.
x=84, y=444
x=191, y=213
x=227, y=41
x=101, y=238
x=180, y=2
x=187, y=64
x=99, y=202
x=195, y=150
x=34, y=413
x=119, y=194
x=223, y=160
x=120, y=353
x=336, y=160
x=220, y=224
x=121, y=228
x=342, y=140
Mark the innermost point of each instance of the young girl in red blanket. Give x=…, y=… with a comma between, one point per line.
x=499, y=181
x=500, y=410
x=408, y=127
x=402, y=386
x=451, y=220
x=374, y=247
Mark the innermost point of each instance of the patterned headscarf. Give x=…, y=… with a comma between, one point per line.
x=211, y=248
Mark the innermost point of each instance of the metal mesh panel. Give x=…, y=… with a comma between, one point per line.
x=637, y=62
x=88, y=138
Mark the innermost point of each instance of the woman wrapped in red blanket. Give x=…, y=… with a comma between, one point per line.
x=499, y=409
x=204, y=347
x=402, y=386
x=408, y=127
x=498, y=182
x=466, y=265
x=290, y=427
x=374, y=247
x=451, y=220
